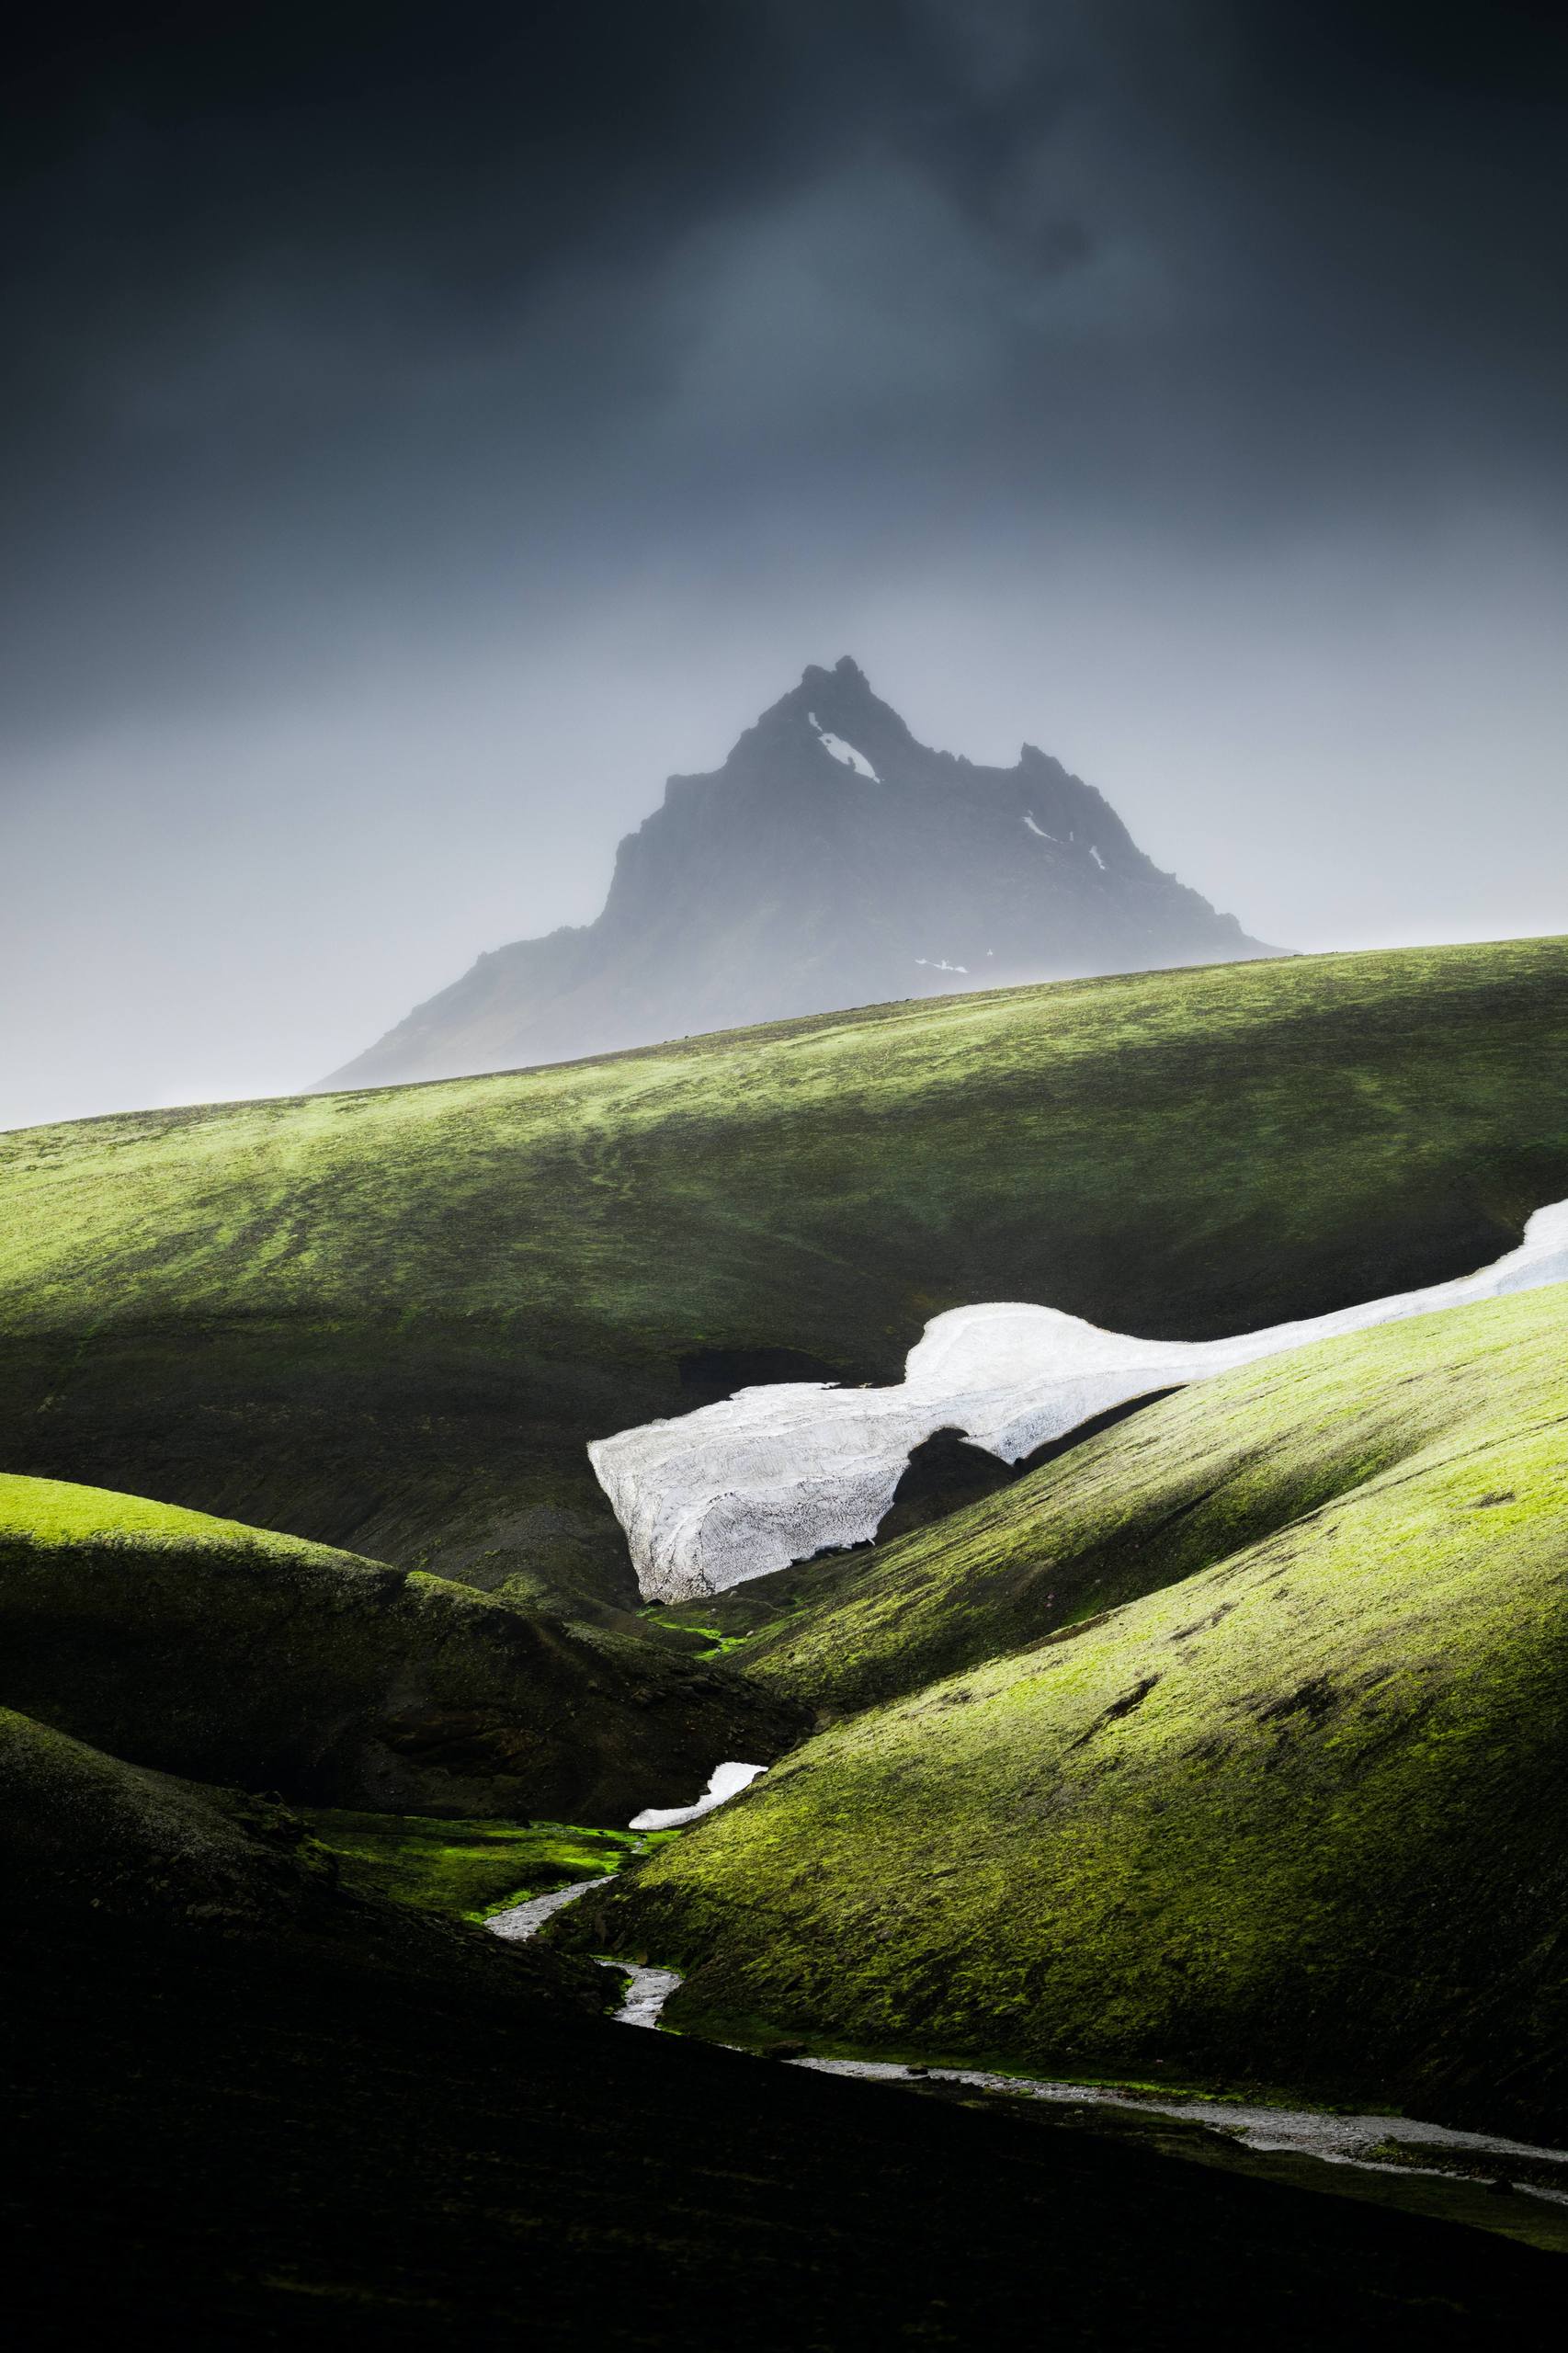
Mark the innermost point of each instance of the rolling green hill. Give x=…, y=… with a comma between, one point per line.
x=1174, y=1490
x=390, y=1319
x=1292, y=1816
x=1227, y=1746
x=227, y=1655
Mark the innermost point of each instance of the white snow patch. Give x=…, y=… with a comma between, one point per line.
x=845, y=752
x=771, y=1475
x=726, y=1781
x=1098, y=859
x=850, y=756
x=1030, y=822
x=940, y=964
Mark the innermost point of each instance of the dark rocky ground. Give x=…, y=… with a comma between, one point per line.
x=215, y=2143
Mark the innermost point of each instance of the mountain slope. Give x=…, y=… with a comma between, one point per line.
x=227, y=1655
x=392, y=1321
x=832, y=860
x=1291, y=1818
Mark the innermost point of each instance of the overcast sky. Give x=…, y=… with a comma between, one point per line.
x=427, y=427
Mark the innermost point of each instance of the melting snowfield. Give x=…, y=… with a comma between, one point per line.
x=771, y=1475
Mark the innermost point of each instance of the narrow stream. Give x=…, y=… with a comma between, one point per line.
x=525, y=1920
x=647, y=1991
x=1299, y=2132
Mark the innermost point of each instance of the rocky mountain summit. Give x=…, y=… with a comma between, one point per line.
x=832, y=861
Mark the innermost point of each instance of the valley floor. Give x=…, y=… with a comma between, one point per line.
x=254, y=2158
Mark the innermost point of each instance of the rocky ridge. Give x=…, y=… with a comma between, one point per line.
x=832, y=861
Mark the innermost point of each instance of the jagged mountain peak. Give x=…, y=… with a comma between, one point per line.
x=836, y=708
x=832, y=860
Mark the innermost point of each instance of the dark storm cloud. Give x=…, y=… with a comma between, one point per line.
x=423, y=427
x=356, y=307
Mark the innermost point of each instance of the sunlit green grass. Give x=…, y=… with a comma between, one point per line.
x=472, y=1868
x=1266, y=1783
x=392, y=1320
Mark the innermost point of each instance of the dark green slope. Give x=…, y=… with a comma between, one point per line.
x=111, y=1864
x=1293, y=1817
x=392, y=1320
x=227, y=1655
x=243, y=2109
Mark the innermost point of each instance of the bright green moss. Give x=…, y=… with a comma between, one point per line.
x=470, y=1867
x=52, y=1514
x=392, y=1320
x=1291, y=1816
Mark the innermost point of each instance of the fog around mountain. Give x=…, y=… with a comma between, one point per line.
x=427, y=429
x=832, y=861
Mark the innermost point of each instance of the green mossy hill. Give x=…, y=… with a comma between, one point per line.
x=1293, y=1819
x=228, y=1654
x=1175, y=1488
x=392, y=1320
x=100, y=1858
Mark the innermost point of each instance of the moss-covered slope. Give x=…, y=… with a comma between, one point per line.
x=227, y=1655
x=1175, y=1489
x=393, y=1320
x=1294, y=1817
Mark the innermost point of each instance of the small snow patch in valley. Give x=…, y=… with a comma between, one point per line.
x=1098, y=859
x=1044, y=836
x=728, y=1781
x=940, y=964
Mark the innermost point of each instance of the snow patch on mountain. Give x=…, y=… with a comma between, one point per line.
x=841, y=751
